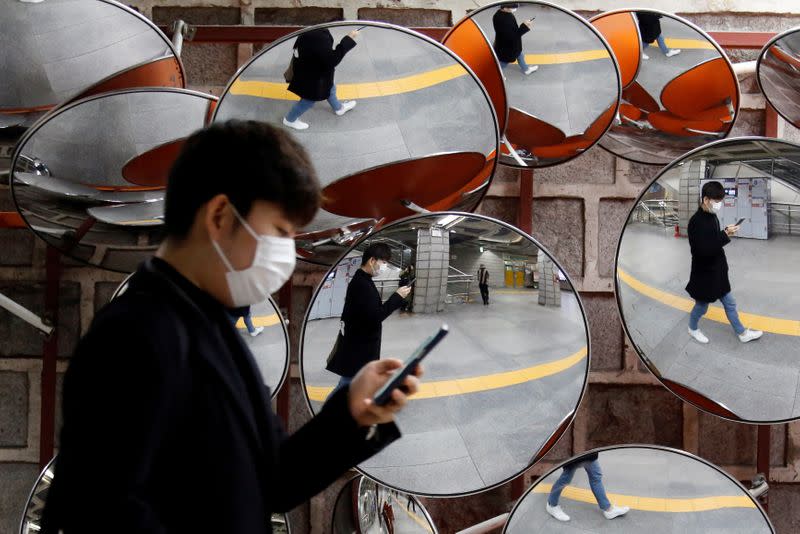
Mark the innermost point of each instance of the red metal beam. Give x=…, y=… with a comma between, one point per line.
x=525, y=222
x=771, y=119
x=284, y=395
x=49, y=358
x=762, y=457
x=11, y=219
x=748, y=40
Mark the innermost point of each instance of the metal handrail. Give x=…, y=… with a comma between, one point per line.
x=790, y=215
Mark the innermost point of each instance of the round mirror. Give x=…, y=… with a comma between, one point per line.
x=367, y=507
x=707, y=282
x=679, y=90
x=637, y=488
x=778, y=71
x=62, y=50
x=95, y=189
x=551, y=75
x=32, y=516
x=498, y=391
x=393, y=122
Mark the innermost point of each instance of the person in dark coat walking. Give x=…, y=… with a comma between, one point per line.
x=314, y=64
x=483, y=284
x=708, y=280
x=508, y=38
x=167, y=424
x=650, y=30
x=591, y=465
x=362, y=316
x=407, y=277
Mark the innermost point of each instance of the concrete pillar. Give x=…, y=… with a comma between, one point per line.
x=549, y=287
x=689, y=191
x=433, y=264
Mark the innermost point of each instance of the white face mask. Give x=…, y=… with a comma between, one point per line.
x=381, y=269
x=513, y=9
x=272, y=266
x=716, y=206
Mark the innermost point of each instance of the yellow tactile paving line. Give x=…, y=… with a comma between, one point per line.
x=655, y=504
x=424, y=524
x=462, y=386
x=260, y=320
x=786, y=327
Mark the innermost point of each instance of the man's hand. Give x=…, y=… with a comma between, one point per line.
x=353, y=34
x=404, y=291
x=368, y=381
x=732, y=229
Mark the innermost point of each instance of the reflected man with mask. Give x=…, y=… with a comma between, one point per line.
x=708, y=280
x=508, y=38
x=363, y=315
x=168, y=427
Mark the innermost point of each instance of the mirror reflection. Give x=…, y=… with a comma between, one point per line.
x=707, y=281
x=679, y=90
x=62, y=50
x=615, y=490
x=369, y=508
x=498, y=391
x=556, y=73
x=94, y=189
x=393, y=122
x=779, y=74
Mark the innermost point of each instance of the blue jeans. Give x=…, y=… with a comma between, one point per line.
x=343, y=382
x=728, y=302
x=661, y=44
x=248, y=322
x=592, y=469
x=304, y=105
x=520, y=61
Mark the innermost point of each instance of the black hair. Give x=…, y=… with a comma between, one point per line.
x=510, y=5
x=247, y=161
x=379, y=251
x=713, y=190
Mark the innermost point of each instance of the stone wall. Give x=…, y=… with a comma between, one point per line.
x=578, y=210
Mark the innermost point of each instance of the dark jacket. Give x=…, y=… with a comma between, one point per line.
x=507, y=36
x=649, y=26
x=168, y=426
x=316, y=62
x=362, y=315
x=708, y=280
x=591, y=457
x=483, y=277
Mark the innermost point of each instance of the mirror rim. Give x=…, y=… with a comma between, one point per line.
x=761, y=55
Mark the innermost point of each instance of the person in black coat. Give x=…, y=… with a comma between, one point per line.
x=650, y=30
x=591, y=465
x=708, y=280
x=314, y=61
x=407, y=278
x=167, y=425
x=483, y=284
x=508, y=38
x=362, y=316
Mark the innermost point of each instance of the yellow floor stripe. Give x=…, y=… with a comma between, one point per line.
x=512, y=292
x=687, y=44
x=423, y=524
x=786, y=327
x=261, y=320
x=655, y=504
x=566, y=57
x=462, y=386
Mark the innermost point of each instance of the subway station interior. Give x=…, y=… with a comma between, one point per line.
x=538, y=173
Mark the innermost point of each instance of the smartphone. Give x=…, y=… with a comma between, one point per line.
x=360, y=28
x=740, y=221
x=411, y=282
x=384, y=395
x=531, y=19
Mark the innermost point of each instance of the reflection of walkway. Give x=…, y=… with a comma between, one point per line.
x=757, y=381
x=408, y=522
x=269, y=347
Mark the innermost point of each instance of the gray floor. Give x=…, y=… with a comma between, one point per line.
x=631, y=472
x=758, y=381
x=467, y=442
x=269, y=347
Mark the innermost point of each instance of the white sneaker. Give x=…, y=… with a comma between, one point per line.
x=532, y=68
x=645, y=56
x=257, y=331
x=615, y=511
x=673, y=52
x=750, y=335
x=346, y=106
x=698, y=335
x=297, y=124
x=557, y=512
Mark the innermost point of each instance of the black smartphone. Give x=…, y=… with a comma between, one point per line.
x=360, y=28
x=384, y=395
x=411, y=282
x=740, y=221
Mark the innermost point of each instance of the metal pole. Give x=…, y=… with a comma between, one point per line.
x=49, y=358
x=282, y=401
x=178, y=32
x=762, y=458
x=487, y=526
x=513, y=153
x=25, y=314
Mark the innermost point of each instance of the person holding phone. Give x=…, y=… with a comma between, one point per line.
x=161, y=393
x=483, y=283
x=314, y=65
x=508, y=38
x=708, y=280
x=363, y=315
x=407, y=279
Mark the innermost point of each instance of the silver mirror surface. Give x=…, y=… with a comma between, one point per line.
x=32, y=516
x=679, y=90
x=643, y=488
x=393, y=123
x=94, y=188
x=58, y=50
x=369, y=508
x=561, y=80
x=778, y=71
x=498, y=391
x=717, y=317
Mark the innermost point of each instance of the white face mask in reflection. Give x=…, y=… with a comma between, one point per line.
x=513, y=9
x=716, y=206
x=272, y=266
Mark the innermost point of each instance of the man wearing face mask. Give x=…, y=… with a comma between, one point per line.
x=363, y=315
x=168, y=427
x=508, y=38
x=708, y=280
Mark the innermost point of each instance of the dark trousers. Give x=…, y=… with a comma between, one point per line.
x=484, y=293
